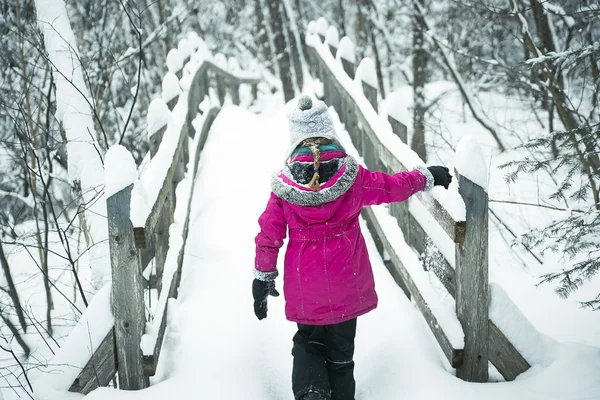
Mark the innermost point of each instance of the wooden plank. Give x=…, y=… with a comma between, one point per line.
x=198, y=89
x=472, y=283
x=432, y=259
x=231, y=76
x=150, y=362
x=161, y=240
x=454, y=229
x=100, y=369
x=209, y=118
x=234, y=92
x=507, y=360
x=453, y=355
x=127, y=291
x=165, y=190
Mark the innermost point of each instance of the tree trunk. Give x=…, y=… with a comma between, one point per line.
x=419, y=66
x=341, y=18
x=294, y=47
x=260, y=32
x=360, y=28
x=281, y=54
x=12, y=289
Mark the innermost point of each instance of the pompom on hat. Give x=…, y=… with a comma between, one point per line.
x=309, y=120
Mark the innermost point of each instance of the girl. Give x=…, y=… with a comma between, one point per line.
x=328, y=281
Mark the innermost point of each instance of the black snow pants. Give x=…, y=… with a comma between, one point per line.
x=323, y=360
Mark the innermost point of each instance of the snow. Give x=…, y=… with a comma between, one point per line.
x=184, y=48
x=120, y=169
x=395, y=105
x=233, y=65
x=396, y=354
x=469, y=162
x=194, y=41
x=221, y=60
x=147, y=188
x=170, y=87
x=382, y=129
x=535, y=347
x=158, y=116
x=203, y=51
x=365, y=72
x=174, y=61
x=332, y=38
x=145, y=191
x=73, y=110
x=321, y=26
x=311, y=27
x=176, y=242
x=346, y=50
x=54, y=380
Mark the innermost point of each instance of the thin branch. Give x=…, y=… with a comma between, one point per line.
x=536, y=205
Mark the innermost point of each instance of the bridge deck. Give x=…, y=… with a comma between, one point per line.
x=215, y=348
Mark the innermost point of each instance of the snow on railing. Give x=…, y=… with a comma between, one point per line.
x=148, y=212
x=448, y=228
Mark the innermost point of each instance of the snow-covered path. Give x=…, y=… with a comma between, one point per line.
x=215, y=347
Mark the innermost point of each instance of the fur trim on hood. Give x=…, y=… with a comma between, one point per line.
x=285, y=187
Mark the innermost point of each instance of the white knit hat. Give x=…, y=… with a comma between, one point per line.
x=309, y=121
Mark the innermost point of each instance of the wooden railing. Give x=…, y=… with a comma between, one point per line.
x=148, y=223
x=459, y=318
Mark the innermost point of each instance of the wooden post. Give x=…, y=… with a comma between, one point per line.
x=399, y=129
x=161, y=239
x=234, y=92
x=196, y=94
x=332, y=39
x=346, y=56
x=348, y=67
x=255, y=91
x=370, y=93
x=472, y=282
x=171, y=103
x=127, y=292
x=221, y=88
x=157, y=110
x=155, y=140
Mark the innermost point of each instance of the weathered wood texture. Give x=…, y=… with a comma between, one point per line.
x=161, y=240
x=453, y=355
x=127, y=291
x=151, y=361
x=507, y=360
x=469, y=283
x=100, y=369
x=472, y=282
x=121, y=347
x=156, y=140
x=371, y=94
x=355, y=117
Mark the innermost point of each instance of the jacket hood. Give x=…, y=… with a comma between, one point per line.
x=286, y=187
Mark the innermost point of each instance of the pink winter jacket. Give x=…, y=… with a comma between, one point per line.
x=327, y=274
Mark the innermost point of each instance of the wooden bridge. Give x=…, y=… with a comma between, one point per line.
x=147, y=254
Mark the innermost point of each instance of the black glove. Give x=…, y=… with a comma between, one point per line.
x=260, y=291
x=441, y=176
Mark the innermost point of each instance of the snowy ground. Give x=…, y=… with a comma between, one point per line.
x=216, y=349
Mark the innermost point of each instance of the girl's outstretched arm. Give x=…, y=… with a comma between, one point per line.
x=273, y=227
x=379, y=187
